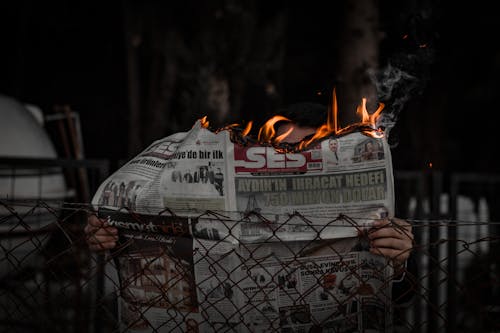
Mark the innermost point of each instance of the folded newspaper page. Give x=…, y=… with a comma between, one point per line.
x=216, y=235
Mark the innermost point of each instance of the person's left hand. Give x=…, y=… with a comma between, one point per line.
x=393, y=239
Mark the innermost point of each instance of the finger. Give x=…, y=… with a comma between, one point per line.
x=387, y=230
x=101, y=235
x=395, y=222
x=397, y=256
x=95, y=221
x=91, y=229
x=391, y=243
x=102, y=238
x=380, y=223
x=106, y=231
x=390, y=232
x=400, y=224
x=102, y=246
x=97, y=234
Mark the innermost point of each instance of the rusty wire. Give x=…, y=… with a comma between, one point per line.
x=51, y=281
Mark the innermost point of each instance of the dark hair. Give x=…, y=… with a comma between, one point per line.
x=305, y=114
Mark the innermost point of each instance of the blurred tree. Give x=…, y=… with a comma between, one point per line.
x=193, y=59
x=228, y=60
x=358, y=58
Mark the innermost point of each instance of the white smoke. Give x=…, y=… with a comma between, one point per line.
x=395, y=87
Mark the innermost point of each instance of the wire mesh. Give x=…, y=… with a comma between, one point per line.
x=52, y=282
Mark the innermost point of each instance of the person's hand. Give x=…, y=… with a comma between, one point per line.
x=99, y=235
x=392, y=238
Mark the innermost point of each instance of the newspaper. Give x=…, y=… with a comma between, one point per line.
x=219, y=235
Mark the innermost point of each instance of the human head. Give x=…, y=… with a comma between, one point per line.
x=333, y=144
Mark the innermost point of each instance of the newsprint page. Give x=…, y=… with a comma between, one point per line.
x=216, y=236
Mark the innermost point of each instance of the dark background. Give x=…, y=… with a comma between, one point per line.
x=66, y=52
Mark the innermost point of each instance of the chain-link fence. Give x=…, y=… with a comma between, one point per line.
x=51, y=282
x=44, y=264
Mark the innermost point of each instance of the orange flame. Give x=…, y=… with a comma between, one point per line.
x=268, y=135
x=204, y=122
x=244, y=132
x=370, y=119
x=267, y=131
x=247, y=128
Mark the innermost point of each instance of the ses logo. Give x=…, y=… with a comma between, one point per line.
x=267, y=159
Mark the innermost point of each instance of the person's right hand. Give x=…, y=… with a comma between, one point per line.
x=99, y=235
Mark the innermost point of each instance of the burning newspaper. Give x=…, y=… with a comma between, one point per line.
x=216, y=235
